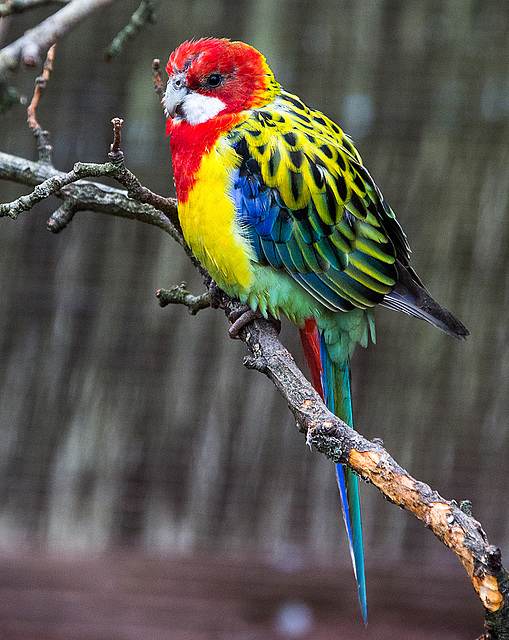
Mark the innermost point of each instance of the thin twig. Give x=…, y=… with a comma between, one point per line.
x=143, y=16
x=40, y=86
x=157, y=79
x=60, y=218
x=115, y=154
x=44, y=148
x=134, y=187
x=180, y=295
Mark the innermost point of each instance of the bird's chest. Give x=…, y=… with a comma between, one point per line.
x=208, y=219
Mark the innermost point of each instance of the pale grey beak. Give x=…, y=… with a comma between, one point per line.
x=176, y=91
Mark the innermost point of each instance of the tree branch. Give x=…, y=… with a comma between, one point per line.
x=29, y=49
x=157, y=79
x=180, y=295
x=10, y=7
x=453, y=525
x=41, y=135
x=144, y=15
x=82, y=194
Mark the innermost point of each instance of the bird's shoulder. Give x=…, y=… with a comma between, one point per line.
x=312, y=168
x=296, y=132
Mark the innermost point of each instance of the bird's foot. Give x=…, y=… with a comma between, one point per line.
x=240, y=317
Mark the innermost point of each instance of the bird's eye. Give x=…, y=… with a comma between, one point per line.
x=214, y=80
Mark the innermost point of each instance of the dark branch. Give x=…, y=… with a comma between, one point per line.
x=144, y=15
x=157, y=79
x=452, y=524
x=115, y=154
x=162, y=211
x=332, y=437
x=83, y=195
x=134, y=187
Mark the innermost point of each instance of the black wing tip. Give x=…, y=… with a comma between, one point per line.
x=412, y=297
x=426, y=308
x=461, y=332
x=455, y=328
x=442, y=318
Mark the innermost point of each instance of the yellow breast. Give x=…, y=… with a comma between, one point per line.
x=209, y=226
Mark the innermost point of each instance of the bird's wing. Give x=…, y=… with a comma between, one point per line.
x=310, y=208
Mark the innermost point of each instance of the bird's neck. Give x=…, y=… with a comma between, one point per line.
x=190, y=143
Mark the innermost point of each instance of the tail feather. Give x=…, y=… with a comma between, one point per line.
x=332, y=381
x=412, y=297
x=311, y=346
x=348, y=484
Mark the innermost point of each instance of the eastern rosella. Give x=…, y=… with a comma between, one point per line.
x=275, y=202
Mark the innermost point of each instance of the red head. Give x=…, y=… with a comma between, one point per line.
x=212, y=76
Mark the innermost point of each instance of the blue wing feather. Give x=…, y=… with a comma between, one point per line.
x=314, y=252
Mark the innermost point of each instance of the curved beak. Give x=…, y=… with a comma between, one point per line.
x=176, y=91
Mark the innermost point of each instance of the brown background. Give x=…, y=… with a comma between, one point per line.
x=149, y=484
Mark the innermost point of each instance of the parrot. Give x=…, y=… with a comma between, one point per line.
x=275, y=202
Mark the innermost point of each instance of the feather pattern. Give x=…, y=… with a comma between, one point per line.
x=275, y=201
x=308, y=206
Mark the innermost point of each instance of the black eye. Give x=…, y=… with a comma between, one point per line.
x=214, y=80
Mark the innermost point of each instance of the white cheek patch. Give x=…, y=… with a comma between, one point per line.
x=199, y=108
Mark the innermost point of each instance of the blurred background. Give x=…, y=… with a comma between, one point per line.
x=149, y=483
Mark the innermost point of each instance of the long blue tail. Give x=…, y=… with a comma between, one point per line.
x=337, y=396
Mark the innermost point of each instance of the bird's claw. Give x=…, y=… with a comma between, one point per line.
x=240, y=317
